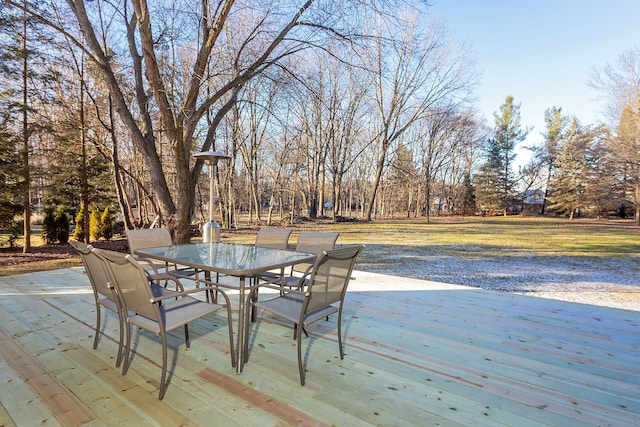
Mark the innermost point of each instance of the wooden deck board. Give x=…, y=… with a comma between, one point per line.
x=418, y=353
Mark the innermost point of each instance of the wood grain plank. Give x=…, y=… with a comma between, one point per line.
x=64, y=405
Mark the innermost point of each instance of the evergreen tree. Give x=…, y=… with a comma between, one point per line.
x=10, y=182
x=555, y=132
x=79, y=232
x=94, y=225
x=468, y=196
x=106, y=224
x=25, y=77
x=577, y=169
x=62, y=225
x=487, y=180
x=508, y=132
x=49, y=234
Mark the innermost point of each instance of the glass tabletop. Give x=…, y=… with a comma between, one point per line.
x=227, y=258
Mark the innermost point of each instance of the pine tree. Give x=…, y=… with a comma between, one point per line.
x=487, y=180
x=568, y=186
x=468, y=196
x=508, y=133
x=24, y=78
x=10, y=183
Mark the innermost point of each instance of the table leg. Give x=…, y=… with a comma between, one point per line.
x=241, y=319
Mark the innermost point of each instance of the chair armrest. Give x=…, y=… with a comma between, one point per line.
x=276, y=287
x=155, y=278
x=148, y=262
x=185, y=293
x=307, y=271
x=304, y=277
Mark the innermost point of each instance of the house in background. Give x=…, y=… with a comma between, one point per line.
x=532, y=201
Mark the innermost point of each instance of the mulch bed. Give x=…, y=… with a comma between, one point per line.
x=10, y=258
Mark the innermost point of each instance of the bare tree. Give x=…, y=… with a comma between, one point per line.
x=443, y=130
x=346, y=138
x=415, y=70
x=178, y=53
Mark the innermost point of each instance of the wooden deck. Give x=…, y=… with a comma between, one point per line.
x=418, y=353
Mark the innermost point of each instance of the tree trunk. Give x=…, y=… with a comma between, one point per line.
x=638, y=201
x=376, y=182
x=25, y=143
x=117, y=177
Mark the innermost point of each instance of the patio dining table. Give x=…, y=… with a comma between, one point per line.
x=242, y=261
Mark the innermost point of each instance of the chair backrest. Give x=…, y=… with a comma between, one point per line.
x=273, y=237
x=148, y=238
x=93, y=266
x=330, y=277
x=314, y=242
x=131, y=283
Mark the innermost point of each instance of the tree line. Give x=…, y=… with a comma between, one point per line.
x=327, y=108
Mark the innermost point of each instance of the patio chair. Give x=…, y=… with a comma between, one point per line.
x=150, y=238
x=275, y=238
x=324, y=295
x=103, y=291
x=159, y=314
x=315, y=242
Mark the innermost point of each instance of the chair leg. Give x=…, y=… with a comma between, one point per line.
x=186, y=335
x=231, y=344
x=95, y=339
x=300, y=365
x=232, y=349
x=125, y=365
x=250, y=310
x=215, y=293
x=340, y=333
x=163, y=378
x=121, y=341
x=295, y=329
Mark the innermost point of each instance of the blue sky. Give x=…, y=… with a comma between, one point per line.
x=541, y=51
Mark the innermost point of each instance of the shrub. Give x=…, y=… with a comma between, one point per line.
x=10, y=234
x=106, y=224
x=62, y=225
x=8, y=224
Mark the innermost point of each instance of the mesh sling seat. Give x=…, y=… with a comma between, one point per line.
x=103, y=291
x=324, y=295
x=160, y=314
